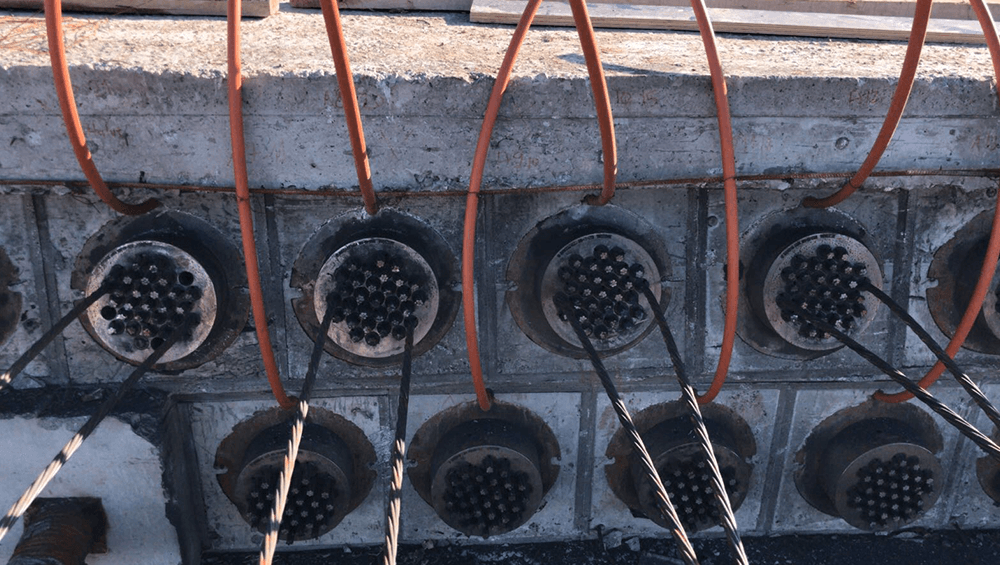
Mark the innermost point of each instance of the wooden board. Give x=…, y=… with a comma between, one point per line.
x=417, y=5
x=251, y=8
x=727, y=20
x=941, y=9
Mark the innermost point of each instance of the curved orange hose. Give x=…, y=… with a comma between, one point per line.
x=472, y=200
x=602, y=102
x=595, y=70
x=235, y=80
x=67, y=103
x=729, y=195
x=918, y=34
x=992, y=249
x=349, y=97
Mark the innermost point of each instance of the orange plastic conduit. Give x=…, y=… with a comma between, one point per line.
x=602, y=103
x=918, y=34
x=603, y=106
x=729, y=195
x=235, y=80
x=67, y=103
x=992, y=249
x=349, y=97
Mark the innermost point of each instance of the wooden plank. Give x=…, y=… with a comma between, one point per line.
x=942, y=9
x=417, y=5
x=251, y=8
x=557, y=13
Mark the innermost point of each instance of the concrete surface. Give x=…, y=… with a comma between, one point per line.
x=152, y=96
x=115, y=465
x=798, y=104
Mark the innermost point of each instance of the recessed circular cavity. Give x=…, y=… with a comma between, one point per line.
x=823, y=274
x=888, y=487
x=377, y=288
x=320, y=492
x=486, y=478
x=601, y=275
x=153, y=287
x=687, y=477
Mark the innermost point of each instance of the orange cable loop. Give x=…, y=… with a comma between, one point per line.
x=918, y=34
x=349, y=97
x=71, y=117
x=235, y=80
x=729, y=194
x=989, y=266
x=603, y=106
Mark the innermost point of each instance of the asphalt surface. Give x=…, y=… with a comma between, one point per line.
x=909, y=548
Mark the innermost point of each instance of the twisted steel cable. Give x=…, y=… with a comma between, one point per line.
x=46, y=338
x=649, y=469
x=50, y=471
x=949, y=415
x=270, y=543
x=963, y=379
x=701, y=431
x=398, y=451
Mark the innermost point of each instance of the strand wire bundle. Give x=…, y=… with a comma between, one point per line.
x=270, y=543
x=392, y=514
x=649, y=469
x=88, y=428
x=701, y=432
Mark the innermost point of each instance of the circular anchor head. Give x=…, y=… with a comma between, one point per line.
x=887, y=487
x=600, y=276
x=823, y=274
x=687, y=477
x=878, y=475
x=320, y=493
x=377, y=288
x=152, y=287
x=486, y=478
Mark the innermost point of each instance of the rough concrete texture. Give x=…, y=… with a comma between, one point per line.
x=758, y=406
x=212, y=422
x=115, y=465
x=799, y=104
x=19, y=240
x=152, y=94
x=812, y=406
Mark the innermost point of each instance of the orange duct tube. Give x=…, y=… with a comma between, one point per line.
x=729, y=195
x=349, y=97
x=992, y=249
x=918, y=34
x=71, y=117
x=235, y=80
x=603, y=105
